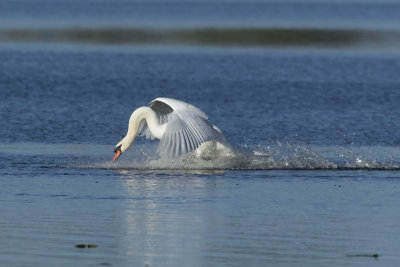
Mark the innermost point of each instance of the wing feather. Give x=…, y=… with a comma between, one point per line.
x=195, y=131
x=184, y=147
x=187, y=127
x=185, y=134
x=192, y=140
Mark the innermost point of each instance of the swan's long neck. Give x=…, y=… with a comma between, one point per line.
x=140, y=114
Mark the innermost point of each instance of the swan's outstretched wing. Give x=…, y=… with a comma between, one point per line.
x=188, y=127
x=185, y=133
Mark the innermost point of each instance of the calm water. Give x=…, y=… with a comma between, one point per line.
x=328, y=117
x=195, y=13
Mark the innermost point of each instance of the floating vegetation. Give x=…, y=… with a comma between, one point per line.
x=84, y=246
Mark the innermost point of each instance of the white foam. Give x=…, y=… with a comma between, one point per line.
x=259, y=157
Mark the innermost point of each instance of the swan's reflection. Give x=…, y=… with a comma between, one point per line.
x=155, y=173
x=166, y=218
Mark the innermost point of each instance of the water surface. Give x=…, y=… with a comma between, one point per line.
x=318, y=126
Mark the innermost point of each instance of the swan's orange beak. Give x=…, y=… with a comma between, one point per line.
x=117, y=154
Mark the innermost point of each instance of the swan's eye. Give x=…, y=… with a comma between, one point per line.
x=118, y=148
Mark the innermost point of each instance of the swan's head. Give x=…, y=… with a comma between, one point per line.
x=122, y=146
x=117, y=151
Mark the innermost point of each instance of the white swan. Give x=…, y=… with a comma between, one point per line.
x=181, y=128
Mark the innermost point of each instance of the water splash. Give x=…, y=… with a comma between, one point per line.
x=144, y=161
x=277, y=155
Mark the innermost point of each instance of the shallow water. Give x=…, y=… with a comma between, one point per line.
x=317, y=183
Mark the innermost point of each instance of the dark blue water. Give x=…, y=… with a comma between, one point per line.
x=257, y=97
x=328, y=118
x=63, y=109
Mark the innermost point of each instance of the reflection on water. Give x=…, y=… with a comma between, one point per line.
x=195, y=218
x=174, y=172
x=254, y=218
x=165, y=219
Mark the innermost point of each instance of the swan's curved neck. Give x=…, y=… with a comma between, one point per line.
x=140, y=114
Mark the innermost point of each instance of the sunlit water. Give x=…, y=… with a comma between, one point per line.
x=311, y=126
x=315, y=183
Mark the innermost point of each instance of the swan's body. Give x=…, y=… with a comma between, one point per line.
x=181, y=128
